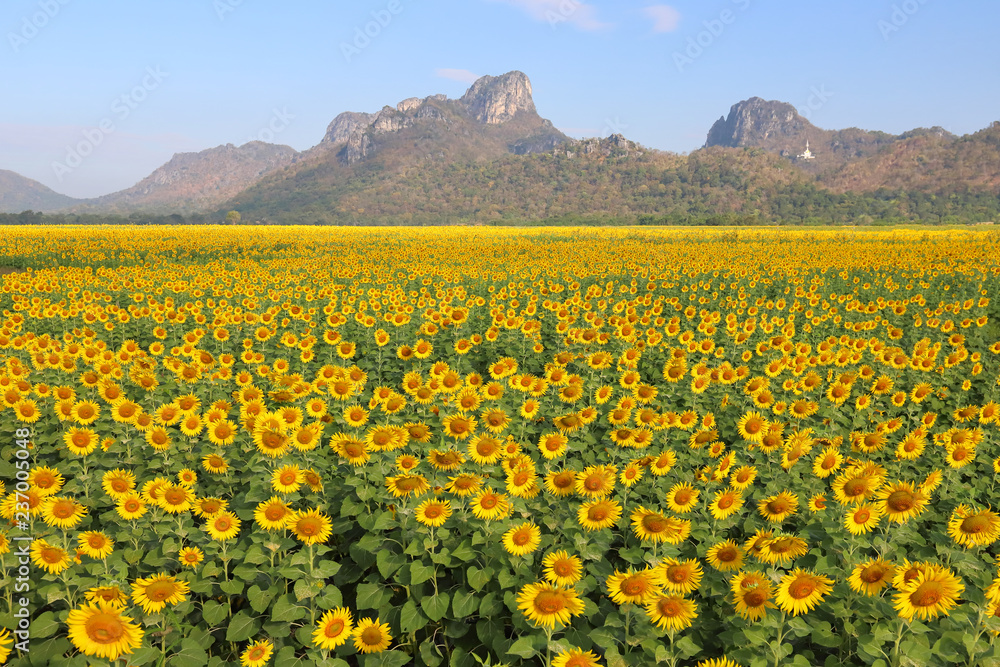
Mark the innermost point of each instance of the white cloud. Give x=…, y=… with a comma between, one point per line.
x=665, y=18
x=555, y=12
x=463, y=75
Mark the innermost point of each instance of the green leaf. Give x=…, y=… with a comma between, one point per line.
x=799, y=626
x=386, y=659
x=304, y=589
x=410, y=618
x=419, y=573
x=190, y=653
x=242, y=627
x=260, y=599
x=326, y=568
x=388, y=562
x=464, y=603
x=214, y=612
x=478, y=578
x=435, y=606
x=234, y=587
x=525, y=647
x=687, y=646
x=285, y=610
x=464, y=552
x=45, y=625
x=371, y=596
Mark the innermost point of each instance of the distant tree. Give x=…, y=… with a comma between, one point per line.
x=233, y=217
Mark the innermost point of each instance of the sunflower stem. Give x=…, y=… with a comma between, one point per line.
x=781, y=636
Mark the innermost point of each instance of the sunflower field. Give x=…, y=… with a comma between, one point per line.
x=464, y=446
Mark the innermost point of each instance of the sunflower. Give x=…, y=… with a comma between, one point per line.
x=752, y=592
x=743, y=477
x=100, y=630
x=406, y=485
x=111, y=595
x=545, y=605
x=562, y=569
x=576, y=657
x=287, y=479
x=800, y=590
x=272, y=514
x=827, y=462
x=49, y=557
x=522, y=539
x=752, y=427
x=817, y=503
x=779, y=507
x=635, y=587
x=310, y=527
x=960, y=454
x=681, y=577
x=130, y=507
x=464, y=485
x=96, y=544
x=348, y=447
x=445, y=459
x=663, y=463
x=682, y=498
x=215, y=464
x=855, y=486
x=862, y=519
x=782, y=549
x=560, y=483
x=671, y=612
x=257, y=654
x=459, y=426
x=190, y=557
x=718, y=662
x=596, y=481
x=932, y=592
x=223, y=526
x=333, y=629
x=655, y=527
x=490, y=505
x=907, y=572
x=870, y=577
x=725, y=556
x=62, y=512
x=45, y=480
x=899, y=502
x=154, y=593
x=727, y=502
x=433, y=513
x=553, y=445
x=599, y=514
x=80, y=441
x=973, y=528
x=370, y=636
x=175, y=498
x=485, y=450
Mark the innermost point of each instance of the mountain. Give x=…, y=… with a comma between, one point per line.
x=196, y=181
x=489, y=157
x=377, y=153
x=18, y=193
x=777, y=127
x=928, y=163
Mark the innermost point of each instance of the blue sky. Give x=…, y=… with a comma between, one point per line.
x=136, y=80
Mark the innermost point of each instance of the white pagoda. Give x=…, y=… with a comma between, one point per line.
x=808, y=154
